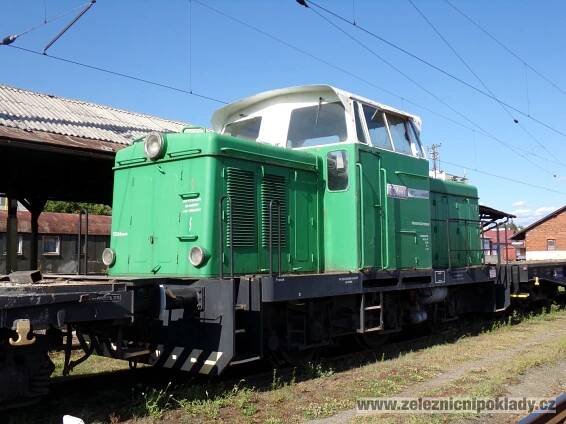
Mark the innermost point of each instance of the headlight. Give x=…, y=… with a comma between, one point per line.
x=154, y=146
x=108, y=257
x=197, y=256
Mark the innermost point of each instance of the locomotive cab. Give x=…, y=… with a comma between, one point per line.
x=374, y=170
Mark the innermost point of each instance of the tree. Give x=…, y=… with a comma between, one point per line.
x=76, y=207
x=512, y=226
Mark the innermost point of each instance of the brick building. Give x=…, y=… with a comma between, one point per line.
x=502, y=245
x=544, y=239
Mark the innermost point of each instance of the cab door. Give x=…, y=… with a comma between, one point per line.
x=371, y=213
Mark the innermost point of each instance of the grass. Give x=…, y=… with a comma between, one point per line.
x=156, y=401
x=492, y=381
x=196, y=402
x=93, y=365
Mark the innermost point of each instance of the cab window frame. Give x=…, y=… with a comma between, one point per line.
x=242, y=120
x=414, y=141
x=289, y=143
x=366, y=127
x=360, y=123
x=344, y=154
x=417, y=136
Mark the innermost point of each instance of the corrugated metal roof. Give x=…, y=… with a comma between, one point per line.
x=30, y=111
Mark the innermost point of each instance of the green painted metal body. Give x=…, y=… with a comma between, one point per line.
x=163, y=208
x=215, y=191
x=363, y=225
x=456, y=238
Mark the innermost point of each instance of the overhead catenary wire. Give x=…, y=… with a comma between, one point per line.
x=119, y=74
x=502, y=177
x=327, y=63
x=527, y=88
x=476, y=75
x=431, y=93
x=430, y=64
x=506, y=48
x=352, y=74
x=44, y=11
x=177, y=89
x=13, y=37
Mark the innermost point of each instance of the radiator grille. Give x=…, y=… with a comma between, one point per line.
x=273, y=187
x=241, y=189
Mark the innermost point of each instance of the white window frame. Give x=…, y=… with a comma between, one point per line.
x=415, y=145
x=348, y=139
x=366, y=128
x=246, y=118
x=20, y=250
x=359, y=112
x=57, y=250
x=384, y=115
x=20, y=245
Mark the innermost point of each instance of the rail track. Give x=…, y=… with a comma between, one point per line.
x=122, y=390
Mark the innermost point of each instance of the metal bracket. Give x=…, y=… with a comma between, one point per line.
x=23, y=328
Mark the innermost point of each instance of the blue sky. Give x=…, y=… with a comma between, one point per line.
x=150, y=39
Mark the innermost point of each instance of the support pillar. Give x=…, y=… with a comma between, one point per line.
x=35, y=207
x=12, y=236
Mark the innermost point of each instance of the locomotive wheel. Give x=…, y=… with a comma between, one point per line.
x=371, y=341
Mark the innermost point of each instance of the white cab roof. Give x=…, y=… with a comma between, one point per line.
x=249, y=105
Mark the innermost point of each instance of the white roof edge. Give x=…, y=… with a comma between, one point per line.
x=220, y=115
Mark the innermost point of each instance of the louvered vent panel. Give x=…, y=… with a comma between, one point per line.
x=273, y=187
x=241, y=189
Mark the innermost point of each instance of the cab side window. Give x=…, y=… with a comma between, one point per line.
x=337, y=170
x=400, y=134
x=246, y=128
x=377, y=128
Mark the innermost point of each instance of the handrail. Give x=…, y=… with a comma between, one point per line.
x=187, y=152
x=193, y=127
x=132, y=161
x=410, y=174
x=385, y=226
x=221, y=238
x=362, y=222
x=448, y=243
x=268, y=158
x=271, y=202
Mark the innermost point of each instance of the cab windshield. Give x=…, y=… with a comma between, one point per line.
x=317, y=125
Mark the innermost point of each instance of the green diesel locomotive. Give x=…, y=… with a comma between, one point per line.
x=311, y=204
x=307, y=216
